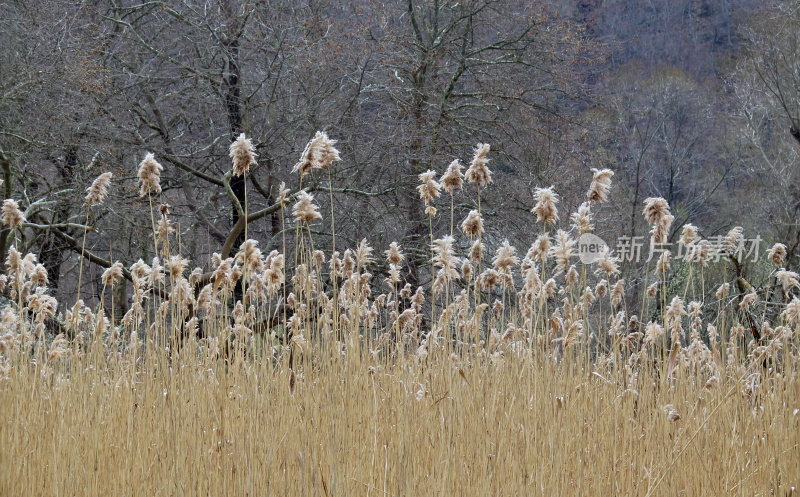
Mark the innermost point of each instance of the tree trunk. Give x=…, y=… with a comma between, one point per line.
x=53, y=251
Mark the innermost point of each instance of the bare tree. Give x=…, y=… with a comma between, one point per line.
x=767, y=86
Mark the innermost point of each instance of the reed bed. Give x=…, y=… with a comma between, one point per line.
x=300, y=372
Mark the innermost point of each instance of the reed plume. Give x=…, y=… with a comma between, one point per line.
x=791, y=314
x=600, y=186
x=476, y=252
x=663, y=263
x=98, y=191
x=478, y=171
x=545, y=207
x=562, y=251
x=452, y=178
x=788, y=279
x=582, y=218
x=472, y=226
x=319, y=153
x=304, y=210
x=608, y=263
x=701, y=251
x=657, y=215
x=112, y=274
x=393, y=254
x=688, y=234
x=733, y=241
x=149, y=175
x=505, y=257
x=777, y=254
x=242, y=154
x=428, y=188
x=12, y=216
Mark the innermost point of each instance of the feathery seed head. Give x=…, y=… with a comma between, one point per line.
x=39, y=275
x=139, y=269
x=601, y=184
x=571, y=278
x=12, y=216
x=601, y=288
x=319, y=153
x=304, y=210
x=672, y=413
x=540, y=248
x=655, y=208
x=476, y=252
x=563, y=250
x=489, y=279
x=394, y=275
x=164, y=228
x=428, y=188
x=443, y=254
x=394, y=255
x=582, y=218
x=545, y=207
x=319, y=258
x=98, y=191
x=505, y=257
x=14, y=260
x=792, y=312
x=700, y=252
x=250, y=256
x=466, y=270
x=242, y=154
x=549, y=288
x=472, y=226
x=364, y=253
x=734, y=240
x=673, y=314
x=58, y=347
x=453, y=178
x=478, y=171
x=348, y=263
x=176, y=265
x=283, y=195
x=112, y=274
x=617, y=292
x=656, y=213
x=149, y=175
x=608, y=263
x=328, y=153
x=778, y=254
x=788, y=279
x=688, y=234
x=652, y=332
x=747, y=300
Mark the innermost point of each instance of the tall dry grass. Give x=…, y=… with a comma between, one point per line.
x=304, y=373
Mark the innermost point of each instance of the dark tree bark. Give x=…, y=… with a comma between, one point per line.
x=54, y=250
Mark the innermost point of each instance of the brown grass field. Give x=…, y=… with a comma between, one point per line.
x=506, y=375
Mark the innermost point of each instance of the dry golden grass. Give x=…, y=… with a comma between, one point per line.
x=520, y=425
